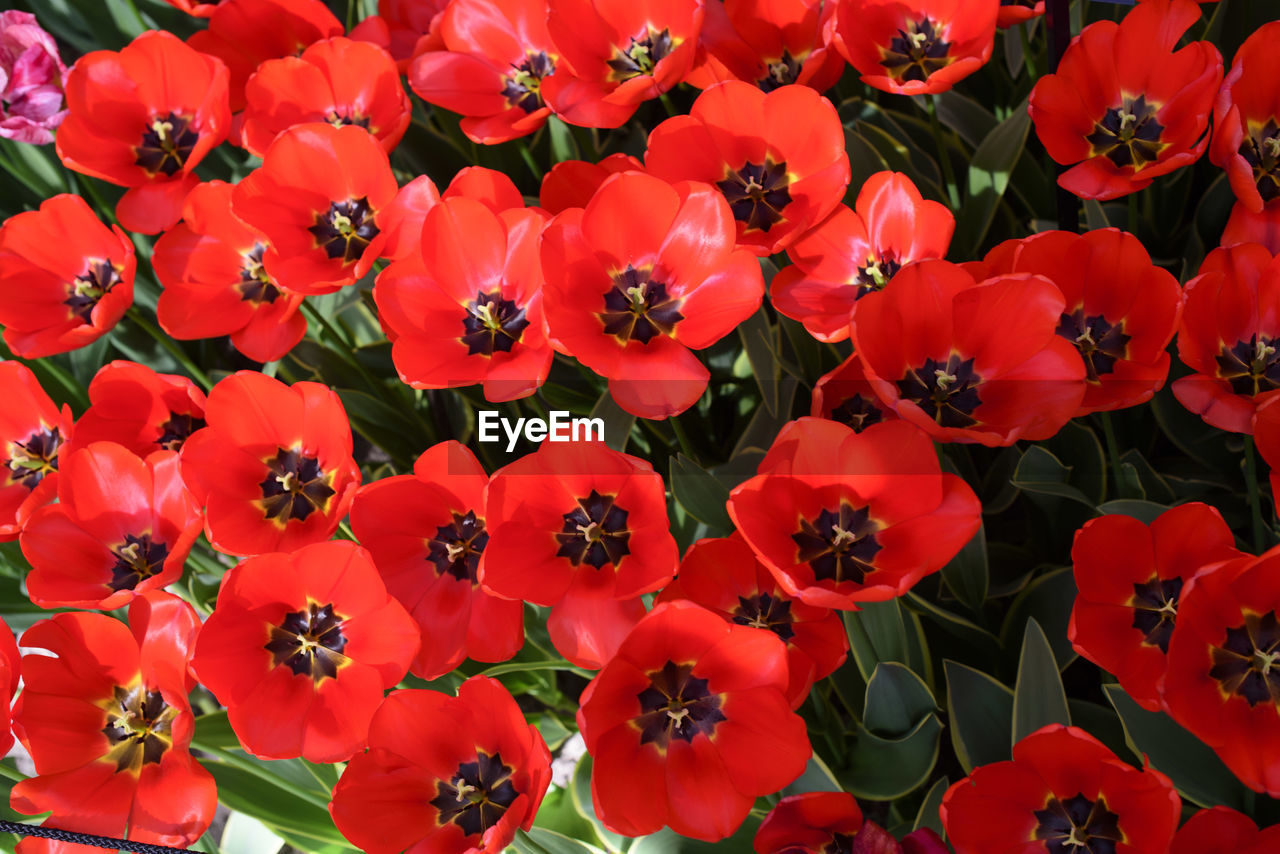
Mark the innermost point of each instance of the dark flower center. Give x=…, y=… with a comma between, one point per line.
x=83, y=293
x=780, y=73
x=638, y=308
x=136, y=561
x=876, y=274
x=166, y=145
x=765, y=612
x=345, y=230
x=456, y=547
x=1247, y=662
x=477, y=795
x=33, y=458
x=175, y=432
x=295, y=486
x=916, y=52
x=1261, y=150
x=1128, y=135
x=338, y=119
x=641, y=56
x=522, y=87
x=1251, y=367
x=139, y=727
x=839, y=545
x=255, y=285
x=757, y=193
x=858, y=412
x=595, y=532
x=492, y=324
x=1100, y=344
x=947, y=393
x=1155, y=606
x=309, y=642
x=1078, y=825
x=676, y=705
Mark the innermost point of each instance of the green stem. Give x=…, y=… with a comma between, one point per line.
x=948, y=175
x=1113, y=449
x=683, y=438
x=524, y=666
x=11, y=773
x=667, y=104
x=172, y=346
x=1024, y=33
x=1255, y=501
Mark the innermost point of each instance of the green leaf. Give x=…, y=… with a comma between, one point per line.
x=667, y=841
x=972, y=121
x=539, y=840
x=877, y=633
x=563, y=145
x=580, y=789
x=617, y=421
x=967, y=574
x=1041, y=472
x=1196, y=771
x=817, y=777
x=273, y=803
x=757, y=338
x=1144, y=511
x=981, y=712
x=882, y=769
x=1038, y=696
x=1130, y=485
x=989, y=172
x=929, y=814
x=896, y=700
x=699, y=493
x=214, y=730
x=1047, y=600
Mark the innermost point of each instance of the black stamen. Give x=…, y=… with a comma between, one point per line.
x=295, y=486
x=677, y=705
x=757, y=193
x=309, y=642
x=638, y=308
x=595, y=532
x=345, y=230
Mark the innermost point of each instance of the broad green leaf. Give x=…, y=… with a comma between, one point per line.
x=878, y=633
x=563, y=145
x=1041, y=472
x=539, y=840
x=864, y=160
x=981, y=712
x=896, y=700
x=1101, y=722
x=1048, y=600
x=989, y=171
x=1144, y=511
x=1154, y=486
x=1081, y=452
x=273, y=803
x=972, y=121
x=817, y=777
x=1196, y=771
x=700, y=494
x=928, y=814
x=1038, y=696
x=580, y=790
x=617, y=421
x=967, y=574
x=882, y=769
x=757, y=337
x=667, y=841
